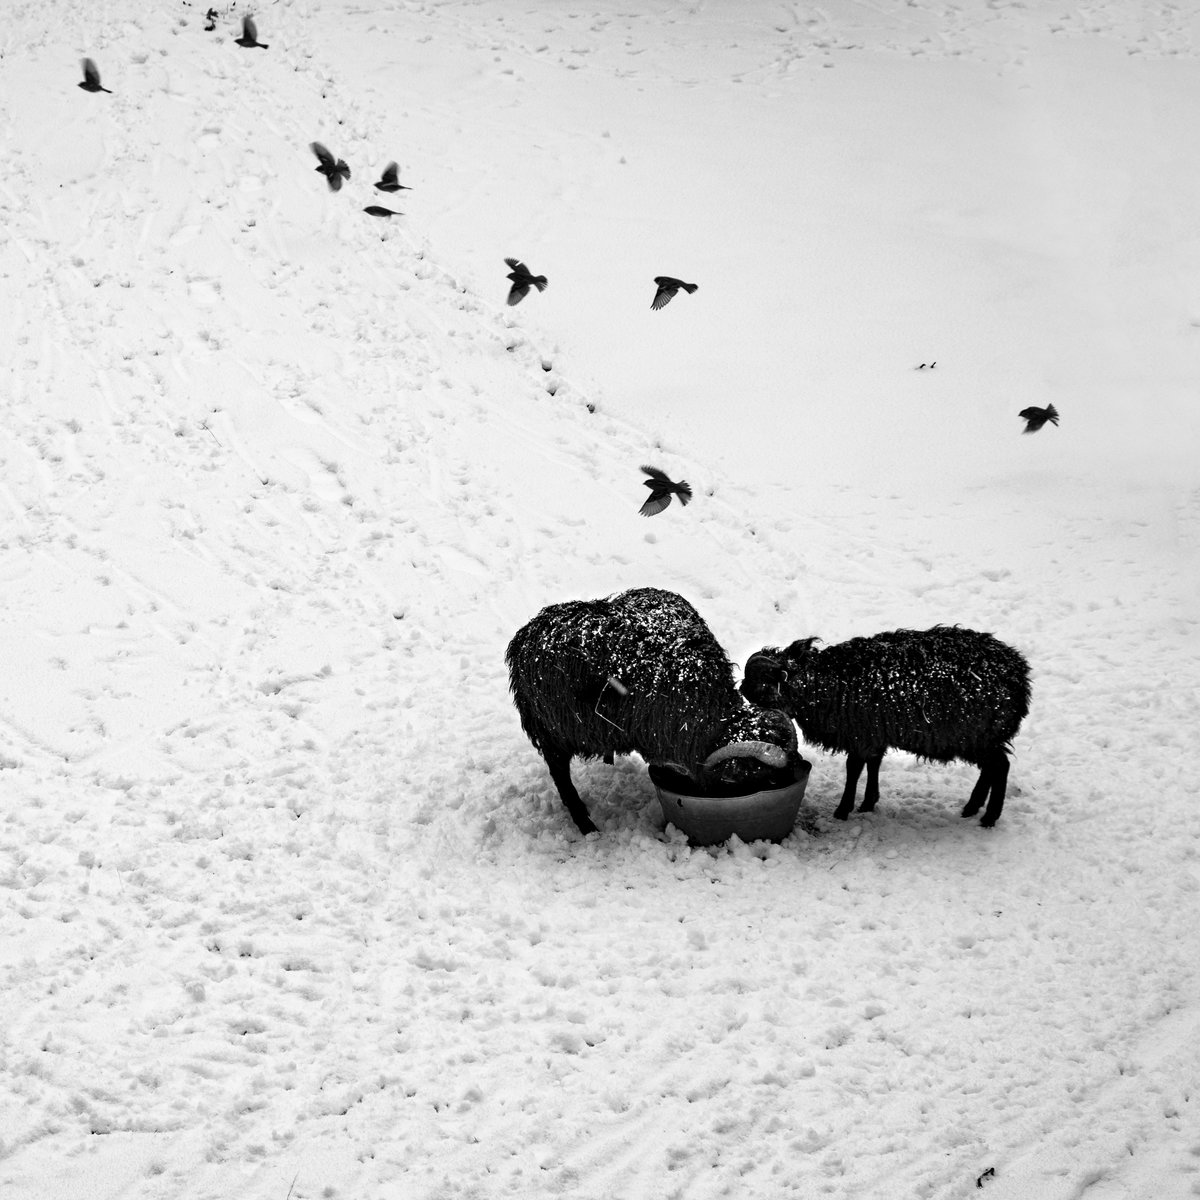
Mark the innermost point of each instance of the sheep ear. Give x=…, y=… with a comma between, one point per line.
x=800, y=648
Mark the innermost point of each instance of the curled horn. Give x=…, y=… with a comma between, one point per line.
x=771, y=753
x=765, y=752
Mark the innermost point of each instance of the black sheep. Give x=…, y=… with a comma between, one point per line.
x=639, y=671
x=943, y=693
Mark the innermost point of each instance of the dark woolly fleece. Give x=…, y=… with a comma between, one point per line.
x=567, y=667
x=943, y=693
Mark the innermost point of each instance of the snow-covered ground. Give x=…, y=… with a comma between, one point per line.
x=290, y=907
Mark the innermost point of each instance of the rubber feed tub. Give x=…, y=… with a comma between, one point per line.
x=709, y=820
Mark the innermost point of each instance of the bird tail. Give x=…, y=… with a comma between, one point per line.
x=684, y=491
x=690, y=287
x=1051, y=414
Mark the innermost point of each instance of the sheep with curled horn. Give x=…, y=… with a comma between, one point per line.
x=638, y=671
x=944, y=694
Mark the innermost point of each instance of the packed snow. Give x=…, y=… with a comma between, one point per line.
x=290, y=907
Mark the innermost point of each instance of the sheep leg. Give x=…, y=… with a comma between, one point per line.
x=871, y=791
x=854, y=766
x=992, y=785
x=995, y=805
x=979, y=792
x=560, y=771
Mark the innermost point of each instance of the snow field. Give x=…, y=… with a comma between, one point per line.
x=289, y=904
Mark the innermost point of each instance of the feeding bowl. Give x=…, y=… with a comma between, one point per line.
x=709, y=820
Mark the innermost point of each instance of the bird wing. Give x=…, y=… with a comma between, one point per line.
x=655, y=504
x=515, y=264
x=662, y=297
x=391, y=173
x=517, y=293
x=249, y=29
x=334, y=180
x=656, y=473
x=325, y=157
x=91, y=74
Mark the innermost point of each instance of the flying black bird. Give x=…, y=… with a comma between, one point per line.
x=91, y=78
x=661, y=489
x=249, y=37
x=1035, y=418
x=334, y=171
x=211, y=18
x=667, y=287
x=390, y=181
x=377, y=210
x=522, y=281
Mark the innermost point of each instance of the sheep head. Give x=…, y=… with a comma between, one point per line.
x=758, y=738
x=768, y=673
x=764, y=676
